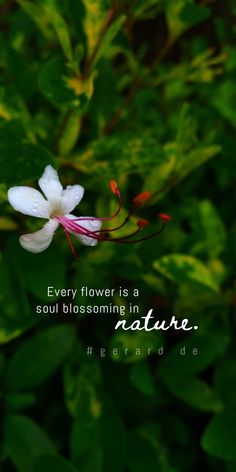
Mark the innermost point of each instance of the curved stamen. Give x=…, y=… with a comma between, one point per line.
x=137, y=201
x=91, y=234
x=75, y=228
x=98, y=234
x=78, y=229
x=150, y=236
x=123, y=240
x=117, y=227
x=116, y=191
x=73, y=224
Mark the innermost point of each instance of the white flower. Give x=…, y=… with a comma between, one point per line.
x=56, y=208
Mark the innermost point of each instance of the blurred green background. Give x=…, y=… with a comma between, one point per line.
x=143, y=92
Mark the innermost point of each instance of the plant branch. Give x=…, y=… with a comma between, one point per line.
x=90, y=60
x=136, y=86
x=86, y=72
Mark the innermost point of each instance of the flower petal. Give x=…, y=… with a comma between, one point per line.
x=71, y=197
x=91, y=225
x=40, y=240
x=50, y=184
x=29, y=201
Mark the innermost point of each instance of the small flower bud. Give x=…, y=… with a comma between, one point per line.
x=165, y=217
x=142, y=223
x=142, y=198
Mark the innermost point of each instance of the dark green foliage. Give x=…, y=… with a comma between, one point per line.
x=143, y=92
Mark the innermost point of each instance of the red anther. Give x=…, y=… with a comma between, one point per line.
x=165, y=217
x=142, y=198
x=114, y=186
x=142, y=223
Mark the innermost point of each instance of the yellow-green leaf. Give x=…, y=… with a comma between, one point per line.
x=185, y=268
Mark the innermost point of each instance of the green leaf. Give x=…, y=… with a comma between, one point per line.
x=19, y=401
x=187, y=152
x=62, y=88
x=25, y=442
x=47, y=349
x=182, y=268
x=53, y=463
x=146, y=451
x=183, y=14
x=142, y=454
x=87, y=453
x=225, y=379
x=95, y=16
x=223, y=101
x=219, y=437
x=15, y=313
x=134, y=346
x=194, y=392
x=81, y=386
x=157, y=181
x=35, y=279
x=193, y=160
x=211, y=232
x=108, y=38
x=98, y=433
x=61, y=29
x=141, y=378
x=193, y=14
x=38, y=15
x=113, y=436
x=47, y=17
x=20, y=160
x=198, y=352
x=147, y=9
x=83, y=398
x=70, y=133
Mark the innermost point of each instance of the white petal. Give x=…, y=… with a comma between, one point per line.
x=29, y=201
x=91, y=225
x=40, y=240
x=71, y=197
x=50, y=184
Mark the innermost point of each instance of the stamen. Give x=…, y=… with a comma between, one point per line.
x=141, y=224
x=117, y=227
x=137, y=201
x=116, y=191
x=73, y=224
x=114, y=187
x=150, y=236
x=69, y=224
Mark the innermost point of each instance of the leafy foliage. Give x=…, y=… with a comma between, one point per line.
x=143, y=92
